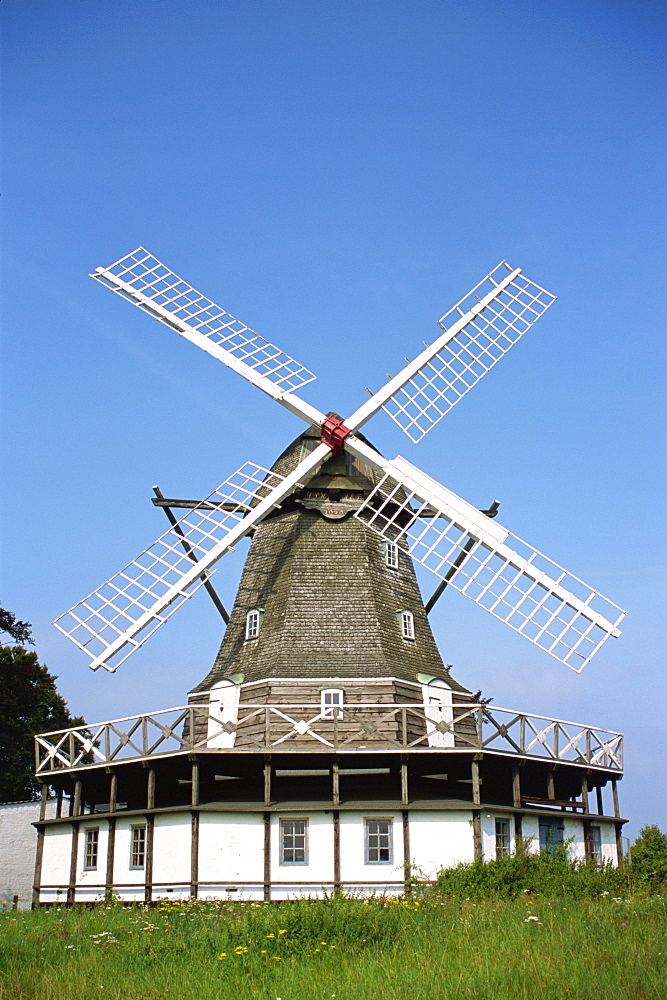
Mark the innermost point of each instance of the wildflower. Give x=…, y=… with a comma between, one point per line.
x=270, y=935
x=222, y=955
x=263, y=951
x=276, y=958
x=283, y=932
x=528, y=919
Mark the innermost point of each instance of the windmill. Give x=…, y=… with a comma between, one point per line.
x=328, y=654
x=458, y=543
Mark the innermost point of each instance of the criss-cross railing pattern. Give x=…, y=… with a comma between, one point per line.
x=301, y=727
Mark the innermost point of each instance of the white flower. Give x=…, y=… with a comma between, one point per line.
x=528, y=919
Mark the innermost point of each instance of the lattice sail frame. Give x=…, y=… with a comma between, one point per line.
x=482, y=327
x=165, y=575
x=147, y=283
x=503, y=574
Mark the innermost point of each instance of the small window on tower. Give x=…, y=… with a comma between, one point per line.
x=407, y=622
x=91, y=845
x=391, y=554
x=253, y=623
x=331, y=702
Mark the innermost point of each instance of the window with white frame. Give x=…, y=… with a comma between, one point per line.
x=391, y=554
x=294, y=842
x=92, y=835
x=379, y=848
x=407, y=623
x=503, y=843
x=253, y=623
x=596, y=845
x=331, y=701
x=137, y=846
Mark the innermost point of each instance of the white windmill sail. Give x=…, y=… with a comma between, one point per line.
x=144, y=281
x=129, y=607
x=500, y=572
x=479, y=330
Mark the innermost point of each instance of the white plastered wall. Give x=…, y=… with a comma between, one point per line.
x=172, y=841
x=439, y=840
x=130, y=881
x=231, y=849
x=56, y=861
x=353, y=867
x=18, y=843
x=90, y=881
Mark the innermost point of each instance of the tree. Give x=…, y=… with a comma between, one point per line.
x=649, y=855
x=29, y=704
x=19, y=631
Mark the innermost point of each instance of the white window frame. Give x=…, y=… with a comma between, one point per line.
x=407, y=622
x=331, y=703
x=503, y=837
x=253, y=623
x=391, y=555
x=138, y=847
x=373, y=840
x=91, y=848
x=288, y=843
x=595, y=840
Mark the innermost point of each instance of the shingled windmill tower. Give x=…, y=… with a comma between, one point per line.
x=328, y=746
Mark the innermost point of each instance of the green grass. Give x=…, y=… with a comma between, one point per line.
x=346, y=948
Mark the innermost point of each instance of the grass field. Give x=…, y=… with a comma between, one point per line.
x=532, y=948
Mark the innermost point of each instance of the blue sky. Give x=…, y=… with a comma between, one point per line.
x=338, y=175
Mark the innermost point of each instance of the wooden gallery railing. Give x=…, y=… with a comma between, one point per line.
x=355, y=728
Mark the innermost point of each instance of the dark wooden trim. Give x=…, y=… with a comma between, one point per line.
x=476, y=784
x=336, y=848
x=518, y=829
x=584, y=792
x=59, y=803
x=76, y=805
x=598, y=796
x=267, y=857
x=614, y=795
x=194, y=794
x=71, y=888
x=335, y=783
x=406, y=848
x=44, y=794
x=619, y=843
x=113, y=792
x=267, y=781
x=477, y=833
x=194, y=854
x=111, y=853
x=150, y=789
x=516, y=788
x=551, y=786
x=405, y=799
x=148, y=860
x=37, y=878
x=588, y=850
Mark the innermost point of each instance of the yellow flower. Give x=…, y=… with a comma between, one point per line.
x=263, y=951
x=317, y=949
x=223, y=955
x=270, y=935
x=332, y=945
x=276, y=958
x=282, y=932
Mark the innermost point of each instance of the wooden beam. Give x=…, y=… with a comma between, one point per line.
x=37, y=878
x=404, y=784
x=150, y=835
x=267, y=857
x=407, y=868
x=335, y=783
x=43, y=797
x=551, y=786
x=111, y=854
x=194, y=832
x=614, y=795
x=440, y=589
x=476, y=813
x=584, y=792
x=619, y=843
x=598, y=795
x=71, y=888
x=336, y=849
x=76, y=803
x=187, y=547
x=267, y=780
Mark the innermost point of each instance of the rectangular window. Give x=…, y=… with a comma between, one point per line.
x=90, y=852
x=551, y=834
x=294, y=842
x=137, y=846
x=330, y=698
x=378, y=841
x=596, y=845
x=503, y=844
x=407, y=625
x=391, y=555
x=253, y=620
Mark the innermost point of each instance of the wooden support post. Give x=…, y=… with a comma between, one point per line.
x=551, y=785
x=37, y=880
x=59, y=803
x=404, y=784
x=267, y=857
x=44, y=794
x=111, y=853
x=598, y=795
x=476, y=813
x=194, y=832
x=71, y=888
x=584, y=792
x=336, y=850
x=619, y=826
x=516, y=801
x=76, y=804
x=335, y=784
x=150, y=835
x=113, y=792
x=267, y=780
x=407, y=867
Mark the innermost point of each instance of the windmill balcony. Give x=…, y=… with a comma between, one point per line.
x=366, y=728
